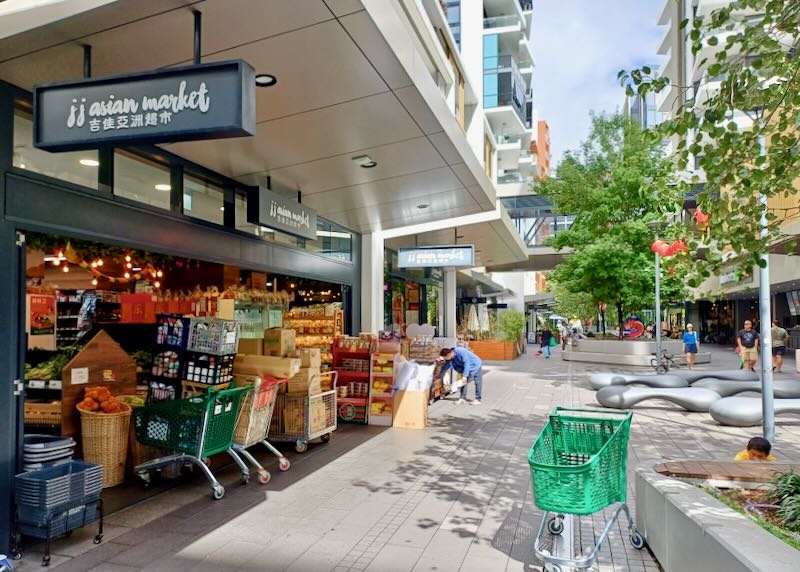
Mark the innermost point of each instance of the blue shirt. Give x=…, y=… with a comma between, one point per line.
x=465, y=362
x=690, y=338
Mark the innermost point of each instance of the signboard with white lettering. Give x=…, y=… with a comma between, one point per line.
x=436, y=256
x=278, y=212
x=206, y=101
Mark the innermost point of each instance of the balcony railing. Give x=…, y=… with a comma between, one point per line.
x=500, y=22
x=499, y=63
x=507, y=139
x=512, y=177
x=527, y=5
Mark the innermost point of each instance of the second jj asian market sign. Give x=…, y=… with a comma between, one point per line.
x=207, y=101
x=436, y=256
x=277, y=212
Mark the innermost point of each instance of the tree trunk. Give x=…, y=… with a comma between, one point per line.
x=619, y=317
x=603, y=319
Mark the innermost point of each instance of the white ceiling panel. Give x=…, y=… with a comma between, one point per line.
x=405, y=212
x=344, y=7
x=307, y=80
x=464, y=174
x=419, y=186
x=363, y=30
x=318, y=134
x=413, y=101
x=446, y=148
x=394, y=161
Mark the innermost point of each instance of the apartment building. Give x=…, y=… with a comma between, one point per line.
x=735, y=296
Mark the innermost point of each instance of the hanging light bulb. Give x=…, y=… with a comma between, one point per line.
x=159, y=274
x=65, y=268
x=157, y=284
x=127, y=258
x=94, y=264
x=129, y=265
x=100, y=262
x=94, y=281
x=127, y=275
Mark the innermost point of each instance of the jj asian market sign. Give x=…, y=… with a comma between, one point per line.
x=207, y=101
x=436, y=256
x=275, y=211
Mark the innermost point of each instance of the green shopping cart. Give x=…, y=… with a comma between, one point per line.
x=578, y=467
x=193, y=430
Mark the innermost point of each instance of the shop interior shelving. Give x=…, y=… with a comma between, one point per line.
x=381, y=402
x=316, y=331
x=347, y=352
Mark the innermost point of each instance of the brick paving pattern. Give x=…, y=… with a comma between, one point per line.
x=455, y=496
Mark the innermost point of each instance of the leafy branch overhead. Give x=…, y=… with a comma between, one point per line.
x=734, y=131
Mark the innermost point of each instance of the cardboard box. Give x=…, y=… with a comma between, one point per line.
x=279, y=367
x=251, y=347
x=279, y=342
x=411, y=409
x=305, y=381
x=309, y=357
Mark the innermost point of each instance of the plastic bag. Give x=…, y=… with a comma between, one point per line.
x=406, y=371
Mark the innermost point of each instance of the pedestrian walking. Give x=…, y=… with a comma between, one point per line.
x=748, y=343
x=547, y=336
x=564, y=332
x=779, y=338
x=469, y=366
x=691, y=343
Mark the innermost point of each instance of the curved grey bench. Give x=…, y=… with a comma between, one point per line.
x=600, y=380
x=625, y=397
x=692, y=375
x=783, y=389
x=746, y=411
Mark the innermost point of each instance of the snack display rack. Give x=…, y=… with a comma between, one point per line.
x=316, y=328
x=353, y=384
x=382, y=368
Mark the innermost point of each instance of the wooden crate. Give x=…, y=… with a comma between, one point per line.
x=307, y=381
x=195, y=389
x=43, y=413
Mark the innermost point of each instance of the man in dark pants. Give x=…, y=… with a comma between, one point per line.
x=469, y=366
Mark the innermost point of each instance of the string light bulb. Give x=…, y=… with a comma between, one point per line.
x=94, y=281
x=65, y=268
x=127, y=258
x=127, y=275
x=100, y=262
x=94, y=264
x=56, y=262
x=157, y=284
x=129, y=265
x=159, y=274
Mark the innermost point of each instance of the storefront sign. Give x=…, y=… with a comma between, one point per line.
x=436, y=256
x=275, y=211
x=207, y=101
x=734, y=276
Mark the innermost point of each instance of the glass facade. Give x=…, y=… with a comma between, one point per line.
x=78, y=167
x=141, y=179
x=502, y=81
x=453, y=11
x=202, y=199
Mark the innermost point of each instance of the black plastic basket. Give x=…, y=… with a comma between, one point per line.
x=172, y=330
x=208, y=369
x=167, y=364
x=60, y=522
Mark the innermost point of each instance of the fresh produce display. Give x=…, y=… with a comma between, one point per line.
x=99, y=400
x=51, y=368
x=132, y=400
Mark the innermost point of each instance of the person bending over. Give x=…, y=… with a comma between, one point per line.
x=469, y=366
x=758, y=449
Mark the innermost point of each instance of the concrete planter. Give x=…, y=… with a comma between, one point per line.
x=625, y=352
x=688, y=529
x=494, y=350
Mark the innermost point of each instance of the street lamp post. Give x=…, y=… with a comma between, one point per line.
x=658, y=308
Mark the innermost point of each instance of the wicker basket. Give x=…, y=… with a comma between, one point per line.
x=104, y=437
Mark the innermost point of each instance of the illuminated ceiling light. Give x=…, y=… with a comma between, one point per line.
x=163, y=187
x=222, y=208
x=22, y=166
x=265, y=80
x=137, y=269
x=423, y=206
x=269, y=283
x=365, y=161
x=89, y=162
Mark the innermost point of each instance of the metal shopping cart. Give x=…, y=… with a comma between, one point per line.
x=194, y=429
x=254, y=422
x=578, y=467
x=303, y=417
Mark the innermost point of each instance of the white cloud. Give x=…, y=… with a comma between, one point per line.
x=580, y=45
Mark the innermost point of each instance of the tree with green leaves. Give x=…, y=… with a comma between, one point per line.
x=614, y=184
x=739, y=124
x=573, y=305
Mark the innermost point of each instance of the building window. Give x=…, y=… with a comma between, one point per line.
x=332, y=240
x=141, y=180
x=203, y=199
x=453, y=11
x=78, y=167
x=240, y=204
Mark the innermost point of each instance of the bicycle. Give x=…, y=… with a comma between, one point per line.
x=668, y=361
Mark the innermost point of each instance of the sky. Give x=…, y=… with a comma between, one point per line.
x=579, y=46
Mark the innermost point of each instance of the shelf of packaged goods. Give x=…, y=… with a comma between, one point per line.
x=382, y=374
x=360, y=354
x=384, y=395
x=343, y=373
x=359, y=401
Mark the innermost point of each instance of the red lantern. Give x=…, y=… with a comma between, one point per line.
x=657, y=246
x=678, y=246
x=664, y=249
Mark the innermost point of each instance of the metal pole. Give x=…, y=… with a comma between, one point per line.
x=198, y=29
x=87, y=61
x=765, y=317
x=658, y=308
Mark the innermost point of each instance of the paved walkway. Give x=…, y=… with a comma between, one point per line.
x=455, y=496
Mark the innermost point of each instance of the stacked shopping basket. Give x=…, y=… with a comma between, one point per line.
x=57, y=500
x=578, y=467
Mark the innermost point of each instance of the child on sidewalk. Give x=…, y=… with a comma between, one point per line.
x=758, y=449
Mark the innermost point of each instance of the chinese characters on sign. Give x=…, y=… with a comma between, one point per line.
x=436, y=256
x=197, y=102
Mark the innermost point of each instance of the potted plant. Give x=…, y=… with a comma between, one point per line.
x=506, y=344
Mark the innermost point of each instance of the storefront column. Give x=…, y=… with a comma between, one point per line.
x=372, y=270
x=450, y=303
